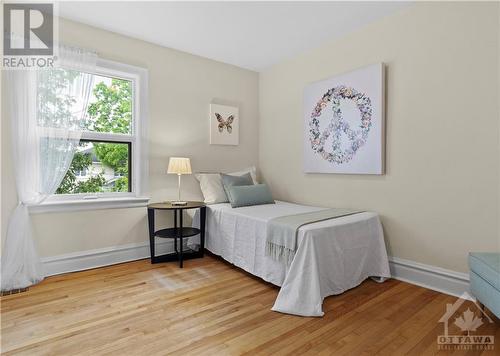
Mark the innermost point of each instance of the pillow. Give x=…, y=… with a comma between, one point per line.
x=246, y=195
x=229, y=180
x=251, y=170
x=211, y=187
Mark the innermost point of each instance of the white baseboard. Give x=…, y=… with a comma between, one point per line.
x=427, y=276
x=430, y=277
x=89, y=259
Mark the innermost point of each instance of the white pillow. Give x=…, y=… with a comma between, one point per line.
x=211, y=185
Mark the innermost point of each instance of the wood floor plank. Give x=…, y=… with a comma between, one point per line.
x=212, y=308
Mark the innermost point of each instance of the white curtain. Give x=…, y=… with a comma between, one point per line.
x=47, y=112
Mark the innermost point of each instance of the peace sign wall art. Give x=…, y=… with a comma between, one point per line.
x=224, y=125
x=344, y=123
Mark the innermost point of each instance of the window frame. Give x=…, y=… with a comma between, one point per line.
x=137, y=149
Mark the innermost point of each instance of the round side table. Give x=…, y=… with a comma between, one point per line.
x=177, y=232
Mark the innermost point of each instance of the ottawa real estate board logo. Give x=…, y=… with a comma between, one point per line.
x=29, y=35
x=465, y=327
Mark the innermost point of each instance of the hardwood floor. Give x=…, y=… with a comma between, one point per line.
x=213, y=308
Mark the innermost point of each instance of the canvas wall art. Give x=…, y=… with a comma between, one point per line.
x=344, y=123
x=224, y=125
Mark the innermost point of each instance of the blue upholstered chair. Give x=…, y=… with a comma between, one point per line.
x=485, y=279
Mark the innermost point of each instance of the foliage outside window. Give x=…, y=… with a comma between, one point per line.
x=99, y=165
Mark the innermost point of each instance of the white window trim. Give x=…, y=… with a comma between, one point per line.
x=72, y=202
x=89, y=204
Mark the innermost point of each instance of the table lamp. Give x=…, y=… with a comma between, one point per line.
x=179, y=166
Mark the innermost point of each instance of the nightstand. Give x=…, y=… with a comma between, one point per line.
x=177, y=232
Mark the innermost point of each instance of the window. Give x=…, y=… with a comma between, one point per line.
x=101, y=163
x=110, y=160
x=99, y=167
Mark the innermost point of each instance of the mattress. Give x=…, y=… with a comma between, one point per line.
x=332, y=256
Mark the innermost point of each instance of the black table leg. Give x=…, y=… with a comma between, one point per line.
x=181, y=241
x=203, y=212
x=175, y=226
x=151, y=224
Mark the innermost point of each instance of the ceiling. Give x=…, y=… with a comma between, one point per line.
x=252, y=35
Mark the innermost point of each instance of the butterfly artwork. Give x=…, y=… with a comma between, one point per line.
x=224, y=125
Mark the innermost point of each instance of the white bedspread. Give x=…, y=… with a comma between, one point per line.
x=332, y=256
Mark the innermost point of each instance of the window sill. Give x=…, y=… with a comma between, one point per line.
x=90, y=204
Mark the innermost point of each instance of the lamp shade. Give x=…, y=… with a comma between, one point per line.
x=179, y=165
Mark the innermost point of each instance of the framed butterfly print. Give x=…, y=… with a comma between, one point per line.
x=224, y=125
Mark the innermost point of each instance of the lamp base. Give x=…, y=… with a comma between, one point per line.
x=178, y=203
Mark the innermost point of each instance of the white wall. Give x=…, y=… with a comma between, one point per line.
x=439, y=198
x=498, y=105
x=2, y=227
x=181, y=87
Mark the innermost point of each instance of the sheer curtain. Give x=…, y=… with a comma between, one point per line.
x=47, y=112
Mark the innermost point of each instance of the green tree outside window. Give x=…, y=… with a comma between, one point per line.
x=111, y=112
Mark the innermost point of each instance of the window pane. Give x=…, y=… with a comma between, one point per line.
x=61, y=101
x=61, y=95
x=98, y=167
x=110, y=106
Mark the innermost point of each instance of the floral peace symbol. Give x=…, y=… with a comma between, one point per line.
x=356, y=137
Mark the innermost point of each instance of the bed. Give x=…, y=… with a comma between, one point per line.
x=332, y=256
